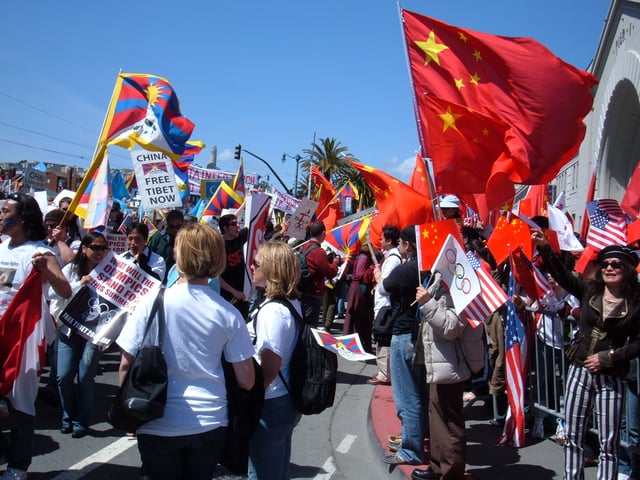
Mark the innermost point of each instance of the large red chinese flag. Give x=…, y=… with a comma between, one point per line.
x=398, y=203
x=465, y=145
x=517, y=81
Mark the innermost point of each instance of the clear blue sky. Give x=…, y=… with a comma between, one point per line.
x=270, y=75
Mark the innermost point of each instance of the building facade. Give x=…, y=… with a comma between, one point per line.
x=611, y=147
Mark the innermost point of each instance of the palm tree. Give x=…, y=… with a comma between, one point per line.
x=330, y=158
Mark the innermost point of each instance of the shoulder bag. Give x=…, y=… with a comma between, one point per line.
x=143, y=394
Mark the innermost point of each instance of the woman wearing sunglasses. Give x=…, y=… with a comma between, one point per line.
x=77, y=357
x=607, y=339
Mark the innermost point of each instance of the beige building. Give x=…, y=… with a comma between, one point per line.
x=611, y=146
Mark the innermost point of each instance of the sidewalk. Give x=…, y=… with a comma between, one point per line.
x=537, y=460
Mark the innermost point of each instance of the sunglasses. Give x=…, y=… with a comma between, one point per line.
x=14, y=196
x=256, y=264
x=50, y=225
x=175, y=227
x=98, y=248
x=614, y=265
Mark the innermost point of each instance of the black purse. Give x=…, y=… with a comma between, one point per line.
x=143, y=394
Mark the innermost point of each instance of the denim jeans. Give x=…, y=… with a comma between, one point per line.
x=406, y=396
x=79, y=358
x=189, y=457
x=18, y=448
x=629, y=462
x=270, y=447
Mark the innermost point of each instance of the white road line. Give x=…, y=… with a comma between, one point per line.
x=346, y=443
x=80, y=469
x=329, y=468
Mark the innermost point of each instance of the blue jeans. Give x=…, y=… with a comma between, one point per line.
x=192, y=457
x=18, y=449
x=79, y=358
x=629, y=462
x=270, y=447
x=406, y=396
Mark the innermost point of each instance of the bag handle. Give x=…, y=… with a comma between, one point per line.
x=156, y=308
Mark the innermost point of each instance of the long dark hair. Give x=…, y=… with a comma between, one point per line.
x=28, y=211
x=80, y=261
x=630, y=288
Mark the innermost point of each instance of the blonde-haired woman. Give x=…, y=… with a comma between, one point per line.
x=199, y=327
x=273, y=326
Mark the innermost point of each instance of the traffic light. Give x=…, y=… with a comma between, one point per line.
x=238, y=152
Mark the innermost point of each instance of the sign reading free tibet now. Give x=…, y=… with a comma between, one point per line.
x=156, y=180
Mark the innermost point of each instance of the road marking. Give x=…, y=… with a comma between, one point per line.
x=329, y=468
x=346, y=443
x=82, y=468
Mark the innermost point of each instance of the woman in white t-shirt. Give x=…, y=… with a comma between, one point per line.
x=199, y=327
x=274, y=330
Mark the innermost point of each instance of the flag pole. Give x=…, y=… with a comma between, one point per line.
x=98, y=156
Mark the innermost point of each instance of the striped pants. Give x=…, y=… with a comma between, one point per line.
x=606, y=394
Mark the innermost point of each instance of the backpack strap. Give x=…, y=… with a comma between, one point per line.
x=296, y=316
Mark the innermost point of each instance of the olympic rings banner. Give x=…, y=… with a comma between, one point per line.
x=457, y=273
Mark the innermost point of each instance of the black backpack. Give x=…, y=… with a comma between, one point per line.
x=306, y=275
x=312, y=370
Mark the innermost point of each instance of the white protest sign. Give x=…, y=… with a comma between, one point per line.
x=301, y=218
x=156, y=181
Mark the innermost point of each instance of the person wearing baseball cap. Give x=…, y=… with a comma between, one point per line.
x=607, y=339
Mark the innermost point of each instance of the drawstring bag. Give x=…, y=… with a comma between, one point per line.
x=143, y=394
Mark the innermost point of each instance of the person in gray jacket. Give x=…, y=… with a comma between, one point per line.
x=452, y=351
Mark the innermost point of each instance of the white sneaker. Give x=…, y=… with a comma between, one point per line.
x=14, y=474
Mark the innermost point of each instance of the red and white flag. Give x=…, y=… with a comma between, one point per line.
x=25, y=330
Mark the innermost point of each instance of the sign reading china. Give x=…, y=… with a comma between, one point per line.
x=97, y=312
x=156, y=180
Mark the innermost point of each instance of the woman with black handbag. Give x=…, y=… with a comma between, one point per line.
x=199, y=327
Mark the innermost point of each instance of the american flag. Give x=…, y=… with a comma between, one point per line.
x=125, y=225
x=608, y=224
x=515, y=356
x=491, y=295
x=532, y=280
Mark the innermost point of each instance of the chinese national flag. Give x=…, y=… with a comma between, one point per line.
x=325, y=193
x=630, y=203
x=535, y=201
x=507, y=236
x=431, y=238
x=465, y=145
x=398, y=203
x=419, y=180
x=517, y=81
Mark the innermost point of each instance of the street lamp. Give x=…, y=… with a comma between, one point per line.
x=297, y=158
x=270, y=168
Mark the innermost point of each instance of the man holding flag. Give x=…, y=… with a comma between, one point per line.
x=27, y=266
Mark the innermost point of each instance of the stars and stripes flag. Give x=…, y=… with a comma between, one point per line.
x=127, y=221
x=515, y=364
x=491, y=295
x=608, y=224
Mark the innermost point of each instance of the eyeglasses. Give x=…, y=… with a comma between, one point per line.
x=256, y=264
x=175, y=227
x=98, y=248
x=50, y=225
x=14, y=196
x=614, y=265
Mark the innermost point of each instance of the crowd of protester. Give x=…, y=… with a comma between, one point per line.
x=208, y=313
